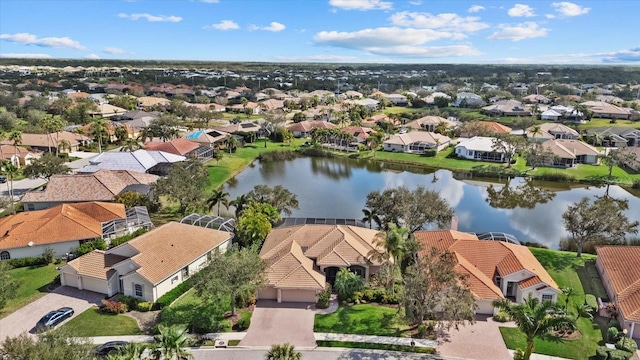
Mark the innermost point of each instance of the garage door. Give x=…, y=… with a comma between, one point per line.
x=268, y=293
x=99, y=286
x=485, y=307
x=636, y=331
x=299, y=296
x=70, y=280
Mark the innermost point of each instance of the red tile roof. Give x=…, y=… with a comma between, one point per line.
x=621, y=264
x=177, y=146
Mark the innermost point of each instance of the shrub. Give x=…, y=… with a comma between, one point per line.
x=422, y=331
x=614, y=323
x=602, y=353
x=56, y=280
x=224, y=326
x=324, y=298
x=89, y=246
x=113, y=307
x=144, y=306
x=277, y=155
x=130, y=301
x=619, y=355
x=244, y=322
x=591, y=301
x=47, y=256
x=502, y=316
x=519, y=354
x=123, y=239
x=612, y=334
x=25, y=262
x=429, y=153
x=636, y=184
x=171, y=296
x=627, y=344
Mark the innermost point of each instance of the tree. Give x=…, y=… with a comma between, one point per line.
x=236, y=275
x=171, y=343
x=8, y=284
x=16, y=138
x=525, y=196
x=232, y=143
x=509, y=145
x=535, y=318
x=393, y=244
x=131, y=198
x=50, y=345
x=7, y=168
x=130, y=351
x=568, y=293
x=129, y=144
x=347, y=283
x=279, y=197
x=434, y=290
x=218, y=156
x=598, y=221
x=186, y=183
x=218, y=197
x=617, y=157
x=537, y=155
x=255, y=223
x=239, y=203
x=298, y=117
x=98, y=129
x=51, y=124
x=45, y=167
x=370, y=217
x=283, y=352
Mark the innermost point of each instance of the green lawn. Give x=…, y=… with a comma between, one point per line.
x=33, y=285
x=188, y=308
x=362, y=319
x=564, y=268
x=598, y=122
x=94, y=323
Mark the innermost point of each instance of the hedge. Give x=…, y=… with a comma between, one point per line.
x=169, y=297
x=591, y=301
x=27, y=261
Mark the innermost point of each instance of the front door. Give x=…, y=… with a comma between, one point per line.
x=330, y=274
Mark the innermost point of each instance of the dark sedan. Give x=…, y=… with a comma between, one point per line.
x=53, y=318
x=110, y=348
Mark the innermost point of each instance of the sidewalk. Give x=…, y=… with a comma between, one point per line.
x=535, y=356
x=375, y=339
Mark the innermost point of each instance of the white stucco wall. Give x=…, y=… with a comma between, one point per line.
x=485, y=307
x=59, y=249
x=128, y=287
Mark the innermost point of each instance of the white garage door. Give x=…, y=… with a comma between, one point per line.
x=485, y=307
x=268, y=293
x=299, y=296
x=70, y=280
x=99, y=286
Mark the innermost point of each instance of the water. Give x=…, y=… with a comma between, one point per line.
x=337, y=188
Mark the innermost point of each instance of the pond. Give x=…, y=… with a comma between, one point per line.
x=337, y=188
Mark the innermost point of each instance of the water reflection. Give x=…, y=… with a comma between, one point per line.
x=337, y=188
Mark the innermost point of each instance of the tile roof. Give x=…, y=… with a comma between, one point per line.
x=479, y=143
x=569, y=149
x=308, y=125
x=358, y=131
x=139, y=160
x=66, y=222
x=178, y=146
x=239, y=127
x=165, y=250
x=97, y=264
x=495, y=127
x=486, y=258
x=102, y=185
x=621, y=264
x=480, y=285
x=294, y=270
x=430, y=120
x=329, y=245
x=43, y=140
x=418, y=136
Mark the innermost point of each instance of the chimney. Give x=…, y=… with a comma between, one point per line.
x=454, y=223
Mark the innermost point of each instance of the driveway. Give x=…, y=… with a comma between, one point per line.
x=25, y=319
x=480, y=341
x=21, y=186
x=274, y=323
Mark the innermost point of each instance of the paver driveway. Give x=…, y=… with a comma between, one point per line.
x=25, y=318
x=480, y=341
x=274, y=323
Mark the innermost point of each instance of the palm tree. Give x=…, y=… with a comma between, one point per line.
x=171, y=343
x=392, y=245
x=535, y=319
x=97, y=128
x=535, y=130
x=370, y=216
x=217, y=197
x=16, y=137
x=9, y=169
x=64, y=145
x=375, y=139
x=130, y=145
x=232, y=143
x=285, y=351
x=217, y=155
x=239, y=203
x=130, y=351
x=568, y=292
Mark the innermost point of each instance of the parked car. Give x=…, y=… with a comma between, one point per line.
x=110, y=348
x=3, y=179
x=53, y=318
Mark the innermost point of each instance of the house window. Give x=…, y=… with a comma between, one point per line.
x=31, y=207
x=185, y=272
x=499, y=282
x=5, y=255
x=174, y=279
x=546, y=297
x=137, y=290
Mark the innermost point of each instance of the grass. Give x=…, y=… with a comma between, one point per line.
x=564, y=267
x=94, y=323
x=364, y=320
x=375, y=346
x=33, y=285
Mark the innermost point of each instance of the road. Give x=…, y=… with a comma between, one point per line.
x=318, y=354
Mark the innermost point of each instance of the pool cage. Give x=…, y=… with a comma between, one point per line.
x=210, y=221
x=137, y=217
x=498, y=236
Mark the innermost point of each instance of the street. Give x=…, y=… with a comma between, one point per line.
x=320, y=354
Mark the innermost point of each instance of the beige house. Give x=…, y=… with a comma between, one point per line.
x=430, y=123
x=18, y=156
x=570, y=153
x=303, y=128
x=416, y=142
x=148, y=266
x=495, y=269
x=65, y=141
x=619, y=268
x=549, y=131
x=301, y=259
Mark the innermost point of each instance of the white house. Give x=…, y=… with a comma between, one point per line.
x=416, y=142
x=148, y=266
x=480, y=148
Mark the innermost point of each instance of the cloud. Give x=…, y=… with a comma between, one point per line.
x=113, y=50
x=210, y=1
x=527, y=30
x=274, y=26
x=318, y=58
x=447, y=21
x=416, y=2
x=550, y=16
x=25, y=56
x=224, y=25
x=520, y=10
x=476, y=8
x=151, y=18
x=623, y=56
x=426, y=51
x=54, y=42
x=362, y=5
x=92, y=56
x=568, y=9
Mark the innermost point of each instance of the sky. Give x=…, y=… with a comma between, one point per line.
x=340, y=31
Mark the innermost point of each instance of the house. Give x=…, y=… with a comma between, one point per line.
x=146, y=102
x=360, y=134
x=271, y=104
x=106, y=110
x=248, y=107
x=547, y=131
x=102, y=185
x=551, y=114
x=369, y=104
x=62, y=228
x=495, y=269
x=303, y=128
x=302, y=259
x=480, y=148
x=243, y=128
x=561, y=113
x=536, y=99
x=375, y=120
x=468, y=100
x=619, y=268
x=397, y=99
x=569, y=153
x=149, y=161
x=615, y=136
x=148, y=266
x=495, y=127
x=416, y=142
x=603, y=109
x=430, y=123
x=635, y=163
x=506, y=108
x=17, y=155
x=207, y=137
x=64, y=141
x=431, y=98
x=136, y=120
x=182, y=147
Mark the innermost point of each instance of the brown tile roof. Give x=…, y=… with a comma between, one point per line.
x=488, y=258
x=102, y=185
x=569, y=149
x=358, y=131
x=172, y=246
x=294, y=270
x=7, y=151
x=621, y=264
x=308, y=125
x=97, y=264
x=239, y=127
x=329, y=245
x=43, y=140
x=66, y=222
x=495, y=127
x=177, y=146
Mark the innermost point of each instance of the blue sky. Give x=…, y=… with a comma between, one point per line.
x=371, y=31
